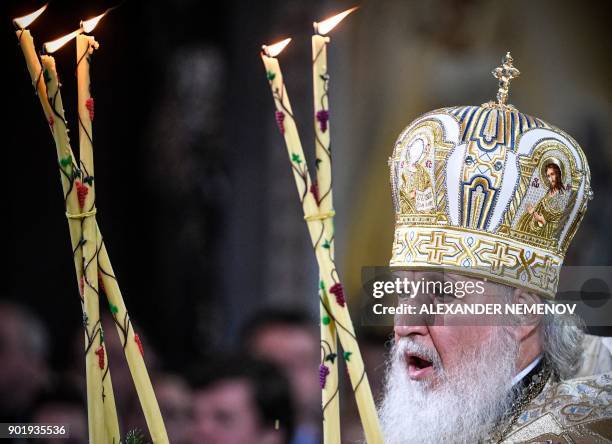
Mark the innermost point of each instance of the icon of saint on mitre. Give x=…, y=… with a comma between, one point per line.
x=416, y=192
x=547, y=216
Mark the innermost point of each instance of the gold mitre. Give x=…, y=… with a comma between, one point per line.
x=488, y=191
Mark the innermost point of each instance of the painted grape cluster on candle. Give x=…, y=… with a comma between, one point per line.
x=317, y=204
x=94, y=272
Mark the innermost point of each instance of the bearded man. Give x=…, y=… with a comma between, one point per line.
x=506, y=378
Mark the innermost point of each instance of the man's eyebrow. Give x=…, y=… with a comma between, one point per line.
x=438, y=276
x=454, y=277
x=433, y=276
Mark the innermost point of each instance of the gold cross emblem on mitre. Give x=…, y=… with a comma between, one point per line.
x=505, y=73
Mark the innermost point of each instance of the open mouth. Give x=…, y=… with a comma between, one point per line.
x=418, y=366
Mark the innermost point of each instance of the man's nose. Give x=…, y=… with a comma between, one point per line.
x=415, y=322
x=411, y=324
x=402, y=331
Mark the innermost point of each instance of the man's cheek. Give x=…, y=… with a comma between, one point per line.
x=448, y=344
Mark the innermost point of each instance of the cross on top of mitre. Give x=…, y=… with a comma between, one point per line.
x=505, y=73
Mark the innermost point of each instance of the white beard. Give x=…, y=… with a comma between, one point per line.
x=466, y=402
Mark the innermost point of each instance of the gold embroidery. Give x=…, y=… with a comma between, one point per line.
x=573, y=409
x=416, y=194
x=473, y=251
x=543, y=219
x=473, y=203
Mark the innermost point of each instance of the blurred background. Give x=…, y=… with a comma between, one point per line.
x=195, y=197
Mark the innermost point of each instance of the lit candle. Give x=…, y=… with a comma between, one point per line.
x=26, y=42
x=323, y=195
x=320, y=83
x=54, y=114
x=131, y=341
x=287, y=126
x=55, y=117
x=132, y=345
x=86, y=185
x=95, y=365
x=332, y=293
x=85, y=46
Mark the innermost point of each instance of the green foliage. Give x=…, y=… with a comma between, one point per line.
x=134, y=436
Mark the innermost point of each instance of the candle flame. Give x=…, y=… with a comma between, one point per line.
x=26, y=20
x=276, y=48
x=51, y=47
x=88, y=25
x=327, y=25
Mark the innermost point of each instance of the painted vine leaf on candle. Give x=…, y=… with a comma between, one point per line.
x=321, y=115
x=298, y=163
x=59, y=125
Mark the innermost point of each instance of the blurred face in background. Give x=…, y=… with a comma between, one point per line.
x=295, y=349
x=75, y=416
x=225, y=413
x=175, y=404
x=23, y=368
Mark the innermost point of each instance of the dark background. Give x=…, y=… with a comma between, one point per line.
x=195, y=199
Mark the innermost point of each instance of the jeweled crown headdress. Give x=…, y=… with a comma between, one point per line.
x=488, y=191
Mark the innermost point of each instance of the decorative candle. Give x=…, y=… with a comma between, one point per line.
x=91, y=314
x=323, y=196
x=320, y=83
x=55, y=118
x=85, y=46
x=27, y=46
x=120, y=314
x=332, y=294
x=69, y=172
x=131, y=342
